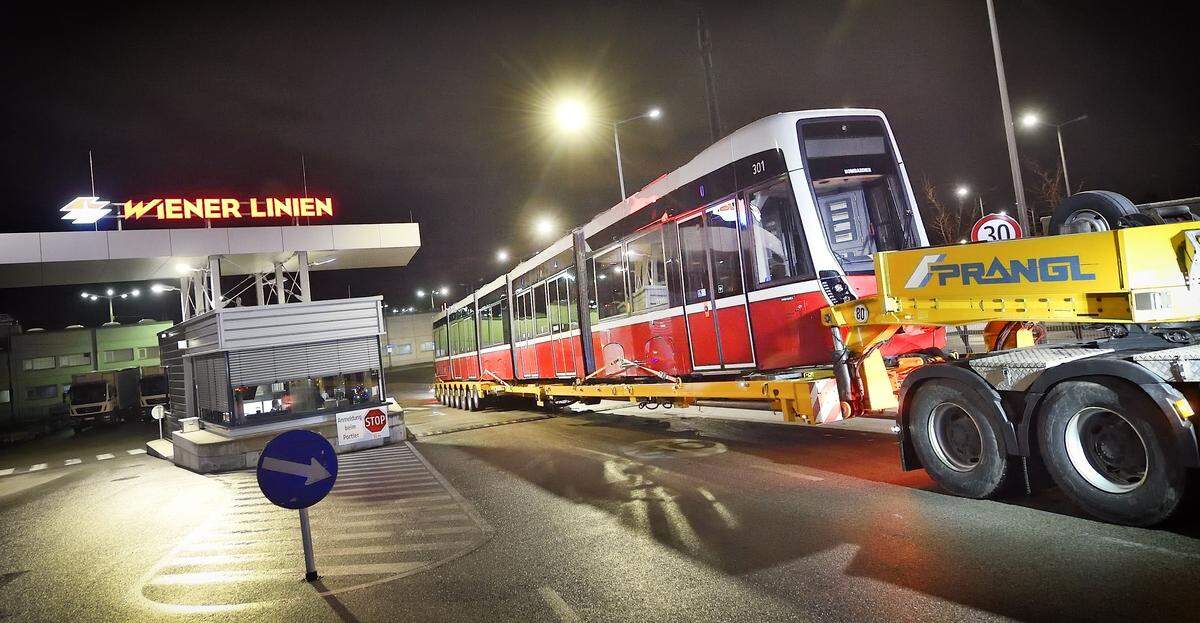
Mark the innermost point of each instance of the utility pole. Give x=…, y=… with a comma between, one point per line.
x=710, y=79
x=1009, y=133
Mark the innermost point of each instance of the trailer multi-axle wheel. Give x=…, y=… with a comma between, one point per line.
x=1108, y=447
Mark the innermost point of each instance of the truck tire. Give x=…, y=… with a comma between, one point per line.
x=962, y=449
x=1107, y=447
x=1093, y=210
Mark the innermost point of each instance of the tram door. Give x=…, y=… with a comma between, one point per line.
x=523, y=333
x=714, y=296
x=563, y=319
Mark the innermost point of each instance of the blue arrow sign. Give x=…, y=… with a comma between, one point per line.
x=297, y=469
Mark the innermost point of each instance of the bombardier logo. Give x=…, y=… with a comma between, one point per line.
x=1032, y=270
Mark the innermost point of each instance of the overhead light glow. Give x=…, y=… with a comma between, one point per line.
x=84, y=294
x=654, y=113
x=109, y=291
x=135, y=292
x=570, y=115
x=1030, y=120
x=544, y=226
x=962, y=191
x=501, y=255
x=421, y=293
x=157, y=288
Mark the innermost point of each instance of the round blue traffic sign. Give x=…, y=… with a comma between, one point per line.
x=297, y=469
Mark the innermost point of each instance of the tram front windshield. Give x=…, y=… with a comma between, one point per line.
x=858, y=191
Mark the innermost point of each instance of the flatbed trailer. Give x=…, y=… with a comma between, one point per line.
x=1109, y=421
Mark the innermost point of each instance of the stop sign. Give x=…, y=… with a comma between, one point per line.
x=375, y=420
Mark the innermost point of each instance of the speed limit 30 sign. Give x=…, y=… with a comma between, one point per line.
x=995, y=227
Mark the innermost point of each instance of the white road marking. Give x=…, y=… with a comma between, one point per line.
x=561, y=608
x=103, y=457
x=393, y=549
x=7, y=471
x=136, y=451
x=72, y=462
x=38, y=467
x=1154, y=548
x=783, y=471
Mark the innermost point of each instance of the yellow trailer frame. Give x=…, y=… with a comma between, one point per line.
x=1136, y=275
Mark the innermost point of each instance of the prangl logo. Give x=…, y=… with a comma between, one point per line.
x=1031, y=270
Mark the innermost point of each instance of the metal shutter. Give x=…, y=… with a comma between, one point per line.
x=287, y=363
x=211, y=377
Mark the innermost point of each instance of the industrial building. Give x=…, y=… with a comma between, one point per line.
x=37, y=365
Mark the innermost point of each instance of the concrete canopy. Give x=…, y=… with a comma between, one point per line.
x=76, y=257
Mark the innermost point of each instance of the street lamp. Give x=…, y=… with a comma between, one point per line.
x=571, y=115
x=962, y=192
x=159, y=288
x=1031, y=120
x=502, y=256
x=109, y=295
x=653, y=113
x=543, y=227
x=442, y=291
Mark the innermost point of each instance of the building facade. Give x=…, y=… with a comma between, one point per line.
x=409, y=340
x=42, y=364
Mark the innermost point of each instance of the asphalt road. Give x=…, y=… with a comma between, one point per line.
x=604, y=517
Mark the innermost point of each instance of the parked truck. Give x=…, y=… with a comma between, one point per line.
x=103, y=397
x=152, y=388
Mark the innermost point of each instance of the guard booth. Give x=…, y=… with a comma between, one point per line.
x=238, y=376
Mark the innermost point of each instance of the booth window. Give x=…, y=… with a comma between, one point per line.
x=5, y=396
x=303, y=380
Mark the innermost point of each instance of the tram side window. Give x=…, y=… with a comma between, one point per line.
x=485, y=327
x=780, y=254
x=469, y=343
x=541, y=320
x=610, y=284
x=593, y=307
x=646, y=266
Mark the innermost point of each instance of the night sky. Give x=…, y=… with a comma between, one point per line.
x=436, y=113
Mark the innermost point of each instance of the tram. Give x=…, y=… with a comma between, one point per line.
x=720, y=268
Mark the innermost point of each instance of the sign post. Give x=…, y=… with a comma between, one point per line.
x=157, y=413
x=296, y=470
x=995, y=227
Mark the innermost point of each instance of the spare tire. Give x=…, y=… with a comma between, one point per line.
x=1092, y=210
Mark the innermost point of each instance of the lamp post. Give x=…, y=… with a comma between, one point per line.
x=109, y=295
x=1032, y=120
x=442, y=291
x=962, y=192
x=653, y=113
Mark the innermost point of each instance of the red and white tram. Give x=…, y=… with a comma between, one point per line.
x=720, y=267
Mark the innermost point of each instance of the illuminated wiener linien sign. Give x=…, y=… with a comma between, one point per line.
x=179, y=209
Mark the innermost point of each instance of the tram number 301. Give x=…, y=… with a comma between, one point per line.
x=758, y=167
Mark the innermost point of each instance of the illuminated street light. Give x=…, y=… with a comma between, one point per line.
x=571, y=115
x=501, y=255
x=1032, y=120
x=962, y=192
x=109, y=295
x=543, y=227
x=434, y=293
x=653, y=113
x=159, y=288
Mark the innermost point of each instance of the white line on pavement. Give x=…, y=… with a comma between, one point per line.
x=39, y=466
x=103, y=457
x=394, y=549
x=72, y=462
x=561, y=608
x=136, y=451
x=7, y=471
